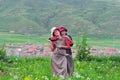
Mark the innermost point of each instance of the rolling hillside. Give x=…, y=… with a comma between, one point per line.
x=94, y=17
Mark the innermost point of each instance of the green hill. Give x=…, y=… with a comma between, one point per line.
x=94, y=17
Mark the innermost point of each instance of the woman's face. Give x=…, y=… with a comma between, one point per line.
x=63, y=33
x=56, y=33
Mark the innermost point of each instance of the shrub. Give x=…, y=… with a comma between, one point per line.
x=4, y=60
x=83, y=51
x=2, y=52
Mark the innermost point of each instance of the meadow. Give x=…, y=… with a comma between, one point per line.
x=24, y=68
x=91, y=41
x=38, y=68
x=18, y=38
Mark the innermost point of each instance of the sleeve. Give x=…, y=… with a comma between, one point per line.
x=52, y=46
x=67, y=43
x=70, y=40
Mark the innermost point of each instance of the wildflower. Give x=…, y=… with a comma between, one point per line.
x=37, y=78
x=15, y=77
x=78, y=75
x=88, y=78
x=45, y=77
x=61, y=76
x=10, y=74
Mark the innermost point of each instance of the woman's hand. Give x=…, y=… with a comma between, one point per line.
x=59, y=46
x=49, y=41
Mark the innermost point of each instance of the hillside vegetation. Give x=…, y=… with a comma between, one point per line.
x=94, y=17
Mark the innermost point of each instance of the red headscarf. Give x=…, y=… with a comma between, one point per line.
x=62, y=28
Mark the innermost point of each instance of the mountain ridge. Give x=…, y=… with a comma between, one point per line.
x=93, y=17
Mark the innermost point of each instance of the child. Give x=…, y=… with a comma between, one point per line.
x=63, y=31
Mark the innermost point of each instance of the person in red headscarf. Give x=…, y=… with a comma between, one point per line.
x=70, y=64
x=63, y=30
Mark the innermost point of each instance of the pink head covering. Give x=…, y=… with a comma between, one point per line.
x=62, y=28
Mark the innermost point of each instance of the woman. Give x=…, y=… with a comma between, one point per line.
x=59, y=57
x=70, y=64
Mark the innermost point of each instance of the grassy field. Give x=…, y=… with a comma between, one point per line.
x=18, y=38
x=102, y=42
x=23, y=68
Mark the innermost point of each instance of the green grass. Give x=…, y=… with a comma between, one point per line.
x=105, y=42
x=102, y=42
x=24, y=68
x=18, y=38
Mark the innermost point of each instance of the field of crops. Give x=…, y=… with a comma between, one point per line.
x=24, y=68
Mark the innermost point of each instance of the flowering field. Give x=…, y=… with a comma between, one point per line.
x=24, y=68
